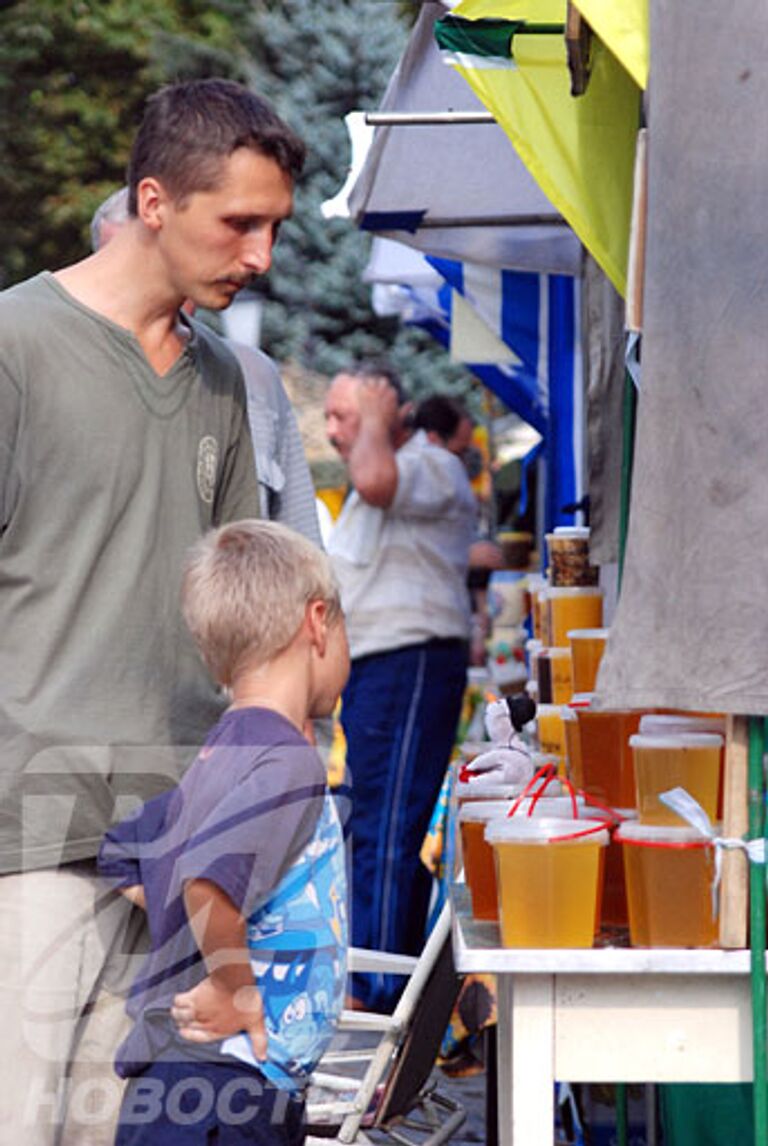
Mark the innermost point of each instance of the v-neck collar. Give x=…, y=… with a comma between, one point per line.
x=126, y=336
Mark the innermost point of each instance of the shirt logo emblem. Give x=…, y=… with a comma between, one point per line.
x=207, y=465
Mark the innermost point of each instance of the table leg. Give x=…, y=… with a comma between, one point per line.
x=526, y=1060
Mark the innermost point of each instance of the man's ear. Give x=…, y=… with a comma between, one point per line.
x=151, y=200
x=317, y=625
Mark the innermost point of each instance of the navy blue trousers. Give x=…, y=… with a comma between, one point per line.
x=399, y=712
x=195, y=1103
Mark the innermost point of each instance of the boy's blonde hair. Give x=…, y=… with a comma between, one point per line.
x=245, y=591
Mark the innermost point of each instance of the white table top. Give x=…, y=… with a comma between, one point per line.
x=477, y=949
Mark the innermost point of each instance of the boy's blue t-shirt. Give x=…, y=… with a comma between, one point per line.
x=253, y=815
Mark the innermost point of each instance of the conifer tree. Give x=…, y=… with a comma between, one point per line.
x=316, y=62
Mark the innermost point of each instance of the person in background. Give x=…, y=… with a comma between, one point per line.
x=123, y=438
x=400, y=551
x=447, y=423
x=241, y=868
x=285, y=483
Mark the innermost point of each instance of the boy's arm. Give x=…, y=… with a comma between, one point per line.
x=226, y=875
x=126, y=843
x=228, y=1001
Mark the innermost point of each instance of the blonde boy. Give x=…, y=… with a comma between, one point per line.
x=241, y=867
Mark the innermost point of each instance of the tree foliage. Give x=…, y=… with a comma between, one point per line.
x=73, y=79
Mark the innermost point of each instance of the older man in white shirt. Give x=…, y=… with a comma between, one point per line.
x=400, y=551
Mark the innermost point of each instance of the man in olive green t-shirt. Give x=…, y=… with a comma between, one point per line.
x=123, y=437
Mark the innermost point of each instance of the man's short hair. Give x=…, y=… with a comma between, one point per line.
x=245, y=590
x=379, y=368
x=440, y=414
x=189, y=128
x=114, y=209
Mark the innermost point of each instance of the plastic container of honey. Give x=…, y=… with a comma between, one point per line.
x=477, y=853
x=587, y=647
x=572, y=746
x=615, y=911
x=561, y=674
x=689, y=760
x=479, y=870
x=606, y=764
x=568, y=552
x=549, y=878
x=669, y=873
x=473, y=790
x=672, y=723
x=572, y=608
x=550, y=730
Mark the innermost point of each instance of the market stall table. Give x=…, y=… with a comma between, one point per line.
x=610, y=1014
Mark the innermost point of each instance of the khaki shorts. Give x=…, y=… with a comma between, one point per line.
x=69, y=950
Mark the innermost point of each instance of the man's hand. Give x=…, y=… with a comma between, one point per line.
x=372, y=465
x=210, y=1012
x=378, y=402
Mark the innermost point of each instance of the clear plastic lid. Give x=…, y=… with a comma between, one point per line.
x=587, y=634
x=581, y=700
x=557, y=653
x=563, y=591
x=657, y=835
x=676, y=740
x=580, y=531
x=626, y=813
x=655, y=724
x=549, y=709
x=546, y=830
x=481, y=811
x=480, y=790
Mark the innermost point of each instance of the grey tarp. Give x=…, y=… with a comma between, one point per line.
x=691, y=629
x=604, y=344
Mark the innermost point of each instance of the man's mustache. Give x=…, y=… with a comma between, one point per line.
x=239, y=281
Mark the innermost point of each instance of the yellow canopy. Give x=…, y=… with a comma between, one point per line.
x=580, y=149
x=624, y=28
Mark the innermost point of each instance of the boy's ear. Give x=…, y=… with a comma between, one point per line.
x=317, y=625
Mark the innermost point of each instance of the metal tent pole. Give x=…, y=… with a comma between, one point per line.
x=628, y=418
x=629, y=414
x=757, y=930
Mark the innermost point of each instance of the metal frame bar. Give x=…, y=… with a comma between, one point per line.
x=427, y=118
